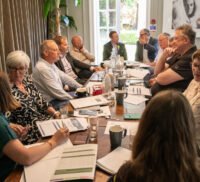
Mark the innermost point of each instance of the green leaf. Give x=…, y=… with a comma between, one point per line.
x=47, y=6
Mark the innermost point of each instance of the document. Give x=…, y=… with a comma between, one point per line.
x=101, y=111
x=43, y=169
x=127, y=125
x=77, y=162
x=139, y=90
x=109, y=162
x=135, y=99
x=89, y=101
x=138, y=73
x=49, y=127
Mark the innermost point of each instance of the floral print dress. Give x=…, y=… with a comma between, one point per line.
x=33, y=108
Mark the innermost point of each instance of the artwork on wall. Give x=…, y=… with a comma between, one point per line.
x=179, y=12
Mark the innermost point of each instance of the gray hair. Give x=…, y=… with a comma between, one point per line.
x=17, y=58
x=45, y=46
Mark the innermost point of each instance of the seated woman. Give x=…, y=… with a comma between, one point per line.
x=12, y=150
x=33, y=106
x=192, y=93
x=164, y=146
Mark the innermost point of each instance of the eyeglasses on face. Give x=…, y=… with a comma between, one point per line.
x=20, y=69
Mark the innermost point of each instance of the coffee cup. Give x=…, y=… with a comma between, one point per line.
x=120, y=96
x=121, y=82
x=81, y=92
x=116, y=135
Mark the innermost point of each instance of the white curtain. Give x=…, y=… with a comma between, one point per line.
x=22, y=27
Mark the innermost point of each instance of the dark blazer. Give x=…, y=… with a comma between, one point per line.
x=74, y=64
x=108, y=49
x=151, y=47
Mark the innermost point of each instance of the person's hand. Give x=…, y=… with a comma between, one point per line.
x=152, y=81
x=19, y=129
x=66, y=88
x=57, y=115
x=97, y=68
x=60, y=137
x=168, y=52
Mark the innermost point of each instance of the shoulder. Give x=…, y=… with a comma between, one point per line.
x=108, y=44
x=121, y=44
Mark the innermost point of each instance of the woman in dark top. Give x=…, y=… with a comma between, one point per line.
x=164, y=146
x=33, y=106
x=12, y=150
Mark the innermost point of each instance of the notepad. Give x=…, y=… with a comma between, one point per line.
x=114, y=160
x=89, y=101
x=49, y=127
x=77, y=162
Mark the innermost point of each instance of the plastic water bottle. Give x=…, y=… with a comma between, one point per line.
x=113, y=58
x=119, y=64
x=107, y=83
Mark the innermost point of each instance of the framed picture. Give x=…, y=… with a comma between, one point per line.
x=179, y=12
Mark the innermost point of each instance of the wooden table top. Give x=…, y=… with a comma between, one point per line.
x=102, y=140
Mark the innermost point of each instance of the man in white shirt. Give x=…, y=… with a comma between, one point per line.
x=50, y=81
x=79, y=52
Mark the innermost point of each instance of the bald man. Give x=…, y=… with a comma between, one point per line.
x=50, y=81
x=79, y=52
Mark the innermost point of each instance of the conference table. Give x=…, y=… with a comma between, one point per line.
x=103, y=142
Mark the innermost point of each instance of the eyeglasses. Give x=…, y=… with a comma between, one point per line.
x=179, y=37
x=20, y=69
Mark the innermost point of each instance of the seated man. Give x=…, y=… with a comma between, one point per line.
x=79, y=52
x=146, y=47
x=50, y=81
x=114, y=43
x=69, y=65
x=175, y=72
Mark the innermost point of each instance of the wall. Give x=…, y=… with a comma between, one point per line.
x=81, y=17
x=156, y=11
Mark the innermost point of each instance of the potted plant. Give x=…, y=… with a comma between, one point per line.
x=52, y=11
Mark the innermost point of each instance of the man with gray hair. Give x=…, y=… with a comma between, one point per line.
x=175, y=72
x=52, y=82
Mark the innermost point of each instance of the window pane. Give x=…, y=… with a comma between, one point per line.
x=112, y=19
x=112, y=4
x=102, y=16
x=103, y=34
x=102, y=4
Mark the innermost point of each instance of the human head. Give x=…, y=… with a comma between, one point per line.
x=62, y=43
x=171, y=42
x=17, y=63
x=77, y=42
x=145, y=32
x=163, y=40
x=165, y=140
x=7, y=101
x=49, y=51
x=196, y=65
x=184, y=37
x=114, y=37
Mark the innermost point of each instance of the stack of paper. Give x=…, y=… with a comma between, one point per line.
x=109, y=162
x=133, y=99
x=77, y=162
x=44, y=168
x=49, y=127
x=89, y=101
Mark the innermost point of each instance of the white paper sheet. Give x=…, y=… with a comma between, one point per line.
x=138, y=73
x=128, y=125
x=138, y=90
x=44, y=168
x=133, y=99
x=49, y=127
x=77, y=162
x=109, y=162
x=89, y=101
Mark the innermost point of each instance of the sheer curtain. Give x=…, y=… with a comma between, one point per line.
x=22, y=27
